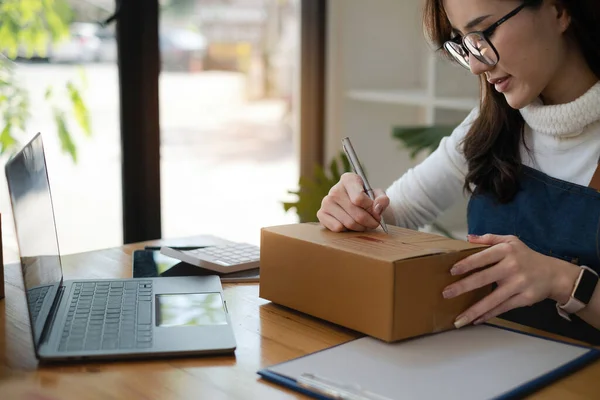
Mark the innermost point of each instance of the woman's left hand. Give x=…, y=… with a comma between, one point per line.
x=524, y=277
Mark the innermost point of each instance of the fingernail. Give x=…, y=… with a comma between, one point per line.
x=460, y=322
x=448, y=293
x=456, y=268
x=377, y=208
x=473, y=237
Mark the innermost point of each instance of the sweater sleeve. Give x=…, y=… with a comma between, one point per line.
x=425, y=191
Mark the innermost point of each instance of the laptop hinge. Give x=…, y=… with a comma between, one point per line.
x=53, y=311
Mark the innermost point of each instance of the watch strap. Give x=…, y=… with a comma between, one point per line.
x=582, y=293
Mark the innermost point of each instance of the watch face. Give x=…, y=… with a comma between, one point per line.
x=586, y=287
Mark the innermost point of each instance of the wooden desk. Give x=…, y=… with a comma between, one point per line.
x=266, y=334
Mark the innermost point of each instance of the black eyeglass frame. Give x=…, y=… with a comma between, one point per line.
x=485, y=34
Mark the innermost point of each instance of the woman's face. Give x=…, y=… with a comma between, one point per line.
x=531, y=45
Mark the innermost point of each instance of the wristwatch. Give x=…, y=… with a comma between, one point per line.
x=582, y=293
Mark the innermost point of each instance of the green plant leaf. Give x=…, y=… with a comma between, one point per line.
x=48, y=93
x=66, y=141
x=33, y=25
x=320, y=177
x=346, y=167
x=335, y=171
x=57, y=23
x=312, y=189
x=424, y=138
x=7, y=141
x=421, y=138
x=8, y=38
x=79, y=108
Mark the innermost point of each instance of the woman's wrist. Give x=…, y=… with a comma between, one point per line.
x=564, y=280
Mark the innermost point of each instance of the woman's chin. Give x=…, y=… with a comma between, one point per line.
x=518, y=100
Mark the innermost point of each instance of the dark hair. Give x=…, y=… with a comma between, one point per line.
x=491, y=146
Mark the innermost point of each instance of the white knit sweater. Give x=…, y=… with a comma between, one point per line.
x=564, y=143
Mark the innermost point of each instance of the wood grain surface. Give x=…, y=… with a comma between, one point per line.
x=266, y=334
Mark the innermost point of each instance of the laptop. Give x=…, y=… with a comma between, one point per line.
x=104, y=319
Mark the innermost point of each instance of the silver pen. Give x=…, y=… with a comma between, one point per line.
x=353, y=158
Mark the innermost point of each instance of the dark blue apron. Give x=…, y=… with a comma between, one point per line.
x=555, y=218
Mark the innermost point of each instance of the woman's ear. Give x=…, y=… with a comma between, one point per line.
x=563, y=18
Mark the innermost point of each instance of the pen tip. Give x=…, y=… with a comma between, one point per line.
x=383, y=226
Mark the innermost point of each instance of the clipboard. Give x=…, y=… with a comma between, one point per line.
x=476, y=362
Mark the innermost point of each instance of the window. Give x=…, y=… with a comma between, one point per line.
x=86, y=193
x=228, y=114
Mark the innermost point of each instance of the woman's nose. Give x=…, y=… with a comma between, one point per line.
x=478, y=67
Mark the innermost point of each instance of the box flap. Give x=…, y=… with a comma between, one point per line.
x=399, y=244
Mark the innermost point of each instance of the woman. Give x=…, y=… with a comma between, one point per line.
x=527, y=155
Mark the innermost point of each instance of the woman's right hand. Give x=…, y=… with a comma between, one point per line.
x=348, y=207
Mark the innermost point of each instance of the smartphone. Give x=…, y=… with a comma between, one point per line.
x=154, y=264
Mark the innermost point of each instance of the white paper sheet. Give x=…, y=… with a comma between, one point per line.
x=478, y=362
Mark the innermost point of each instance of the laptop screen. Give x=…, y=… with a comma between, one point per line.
x=36, y=230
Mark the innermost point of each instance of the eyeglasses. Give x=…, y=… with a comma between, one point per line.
x=478, y=43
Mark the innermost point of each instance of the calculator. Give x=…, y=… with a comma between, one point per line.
x=233, y=257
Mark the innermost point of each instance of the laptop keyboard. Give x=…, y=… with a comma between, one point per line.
x=109, y=316
x=35, y=299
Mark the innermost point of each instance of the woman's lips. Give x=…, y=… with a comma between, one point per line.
x=501, y=84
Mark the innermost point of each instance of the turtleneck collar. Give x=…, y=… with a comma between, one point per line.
x=564, y=120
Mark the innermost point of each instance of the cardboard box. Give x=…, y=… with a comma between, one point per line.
x=386, y=286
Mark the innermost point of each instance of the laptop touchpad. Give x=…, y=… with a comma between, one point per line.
x=193, y=309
